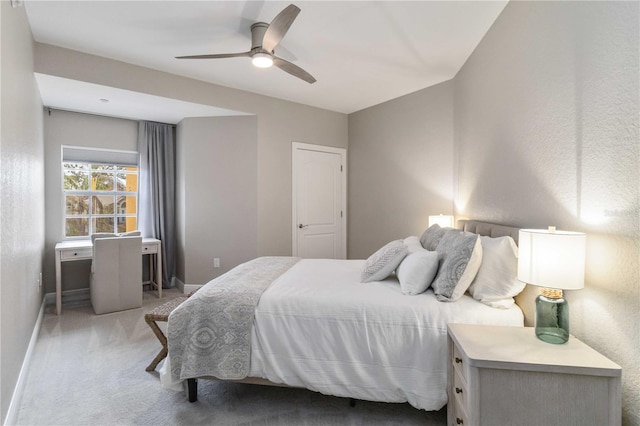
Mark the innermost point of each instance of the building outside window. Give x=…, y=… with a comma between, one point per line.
x=99, y=198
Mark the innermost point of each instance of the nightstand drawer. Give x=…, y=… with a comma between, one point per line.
x=460, y=389
x=82, y=253
x=459, y=363
x=459, y=415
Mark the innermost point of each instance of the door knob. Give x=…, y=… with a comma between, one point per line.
x=302, y=226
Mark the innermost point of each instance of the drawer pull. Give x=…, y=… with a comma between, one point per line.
x=75, y=254
x=458, y=360
x=459, y=420
x=458, y=390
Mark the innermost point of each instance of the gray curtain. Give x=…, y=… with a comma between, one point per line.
x=157, y=206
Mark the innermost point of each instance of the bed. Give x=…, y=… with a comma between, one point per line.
x=313, y=323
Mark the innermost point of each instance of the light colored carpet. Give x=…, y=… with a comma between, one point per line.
x=90, y=370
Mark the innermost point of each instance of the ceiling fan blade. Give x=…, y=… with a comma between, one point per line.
x=279, y=27
x=294, y=70
x=215, y=56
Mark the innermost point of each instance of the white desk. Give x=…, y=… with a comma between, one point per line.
x=82, y=250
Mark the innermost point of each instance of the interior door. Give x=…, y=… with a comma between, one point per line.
x=319, y=197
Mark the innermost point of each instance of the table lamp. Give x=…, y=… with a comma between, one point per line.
x=444, y=220
x=553, y=260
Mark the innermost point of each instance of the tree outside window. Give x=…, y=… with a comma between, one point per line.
x=99, y=198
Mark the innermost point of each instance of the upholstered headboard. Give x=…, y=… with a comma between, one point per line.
x=526, y=299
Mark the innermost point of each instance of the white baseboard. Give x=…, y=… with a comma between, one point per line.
x=16, y=398
x=185, y=288
x=69, y=296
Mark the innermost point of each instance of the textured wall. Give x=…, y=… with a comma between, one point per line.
x=22, y=201
x=217, y=204
x=279, y=123
x=400, y=168
x=546, y=133
x=74, y=129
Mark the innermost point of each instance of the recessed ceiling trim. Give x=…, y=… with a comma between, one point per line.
x=78, y=96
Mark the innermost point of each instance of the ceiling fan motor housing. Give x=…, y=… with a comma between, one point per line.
x=257, y=35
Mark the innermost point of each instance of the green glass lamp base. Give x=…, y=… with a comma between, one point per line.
x=557, y=336
x=552, y=319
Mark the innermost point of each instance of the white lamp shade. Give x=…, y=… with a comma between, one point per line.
x=444, y=220
x=552, y=259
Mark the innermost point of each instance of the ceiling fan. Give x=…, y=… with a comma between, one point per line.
x=264, y=39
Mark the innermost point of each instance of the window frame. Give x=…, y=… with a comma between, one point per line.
x=90, y=216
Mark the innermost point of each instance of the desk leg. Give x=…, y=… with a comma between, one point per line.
x=58, y=284
x=159, y=270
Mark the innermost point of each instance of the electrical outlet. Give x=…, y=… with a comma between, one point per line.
x=216, y=262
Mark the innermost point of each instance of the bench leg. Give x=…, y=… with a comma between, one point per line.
x=161, y=355
x=163, y=341
x=192, y=390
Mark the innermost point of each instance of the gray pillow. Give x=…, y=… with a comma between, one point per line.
x=460, y=255
x=432, y=236
x=383, y=262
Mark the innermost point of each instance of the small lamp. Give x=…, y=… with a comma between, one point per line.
x=444, y=220
x=555, y=261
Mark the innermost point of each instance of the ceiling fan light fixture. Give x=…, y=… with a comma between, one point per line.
x=262, y=60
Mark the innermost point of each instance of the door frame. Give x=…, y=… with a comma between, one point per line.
x=294, y=214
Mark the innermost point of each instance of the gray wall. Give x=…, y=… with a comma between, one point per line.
x=546, y=133
x=400, y=168
x=22, y=195
x=278, y=124
x=76, y=129
x=217, y=177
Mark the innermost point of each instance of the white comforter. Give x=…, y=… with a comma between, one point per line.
x=318, y=327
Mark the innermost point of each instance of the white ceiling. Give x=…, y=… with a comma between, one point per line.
x=362, y=53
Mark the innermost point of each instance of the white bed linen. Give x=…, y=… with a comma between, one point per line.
x=319, y=328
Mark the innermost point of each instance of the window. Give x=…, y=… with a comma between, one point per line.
x=99, y=198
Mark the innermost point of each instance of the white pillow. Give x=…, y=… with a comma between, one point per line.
x=383, y=262
x=417, y=270
x=496, y=283
x=460, y=255
x=413, y=244
x=130, y=234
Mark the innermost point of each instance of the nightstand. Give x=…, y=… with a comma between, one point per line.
x=506, y=376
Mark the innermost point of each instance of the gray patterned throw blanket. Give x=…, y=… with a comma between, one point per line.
x=210, y=333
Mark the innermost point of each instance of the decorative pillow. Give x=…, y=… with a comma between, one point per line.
x=432, y=236
x=417, y=270
x=383, y=262
x=496, y=283
x=130, y=234
x=102, y=235
x=460, y=255
x=110, y=235
x=413, y=244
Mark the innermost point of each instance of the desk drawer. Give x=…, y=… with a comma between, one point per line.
x=81, y=253
x=149, y=248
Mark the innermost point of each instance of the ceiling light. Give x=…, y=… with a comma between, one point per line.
x=262, y=60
